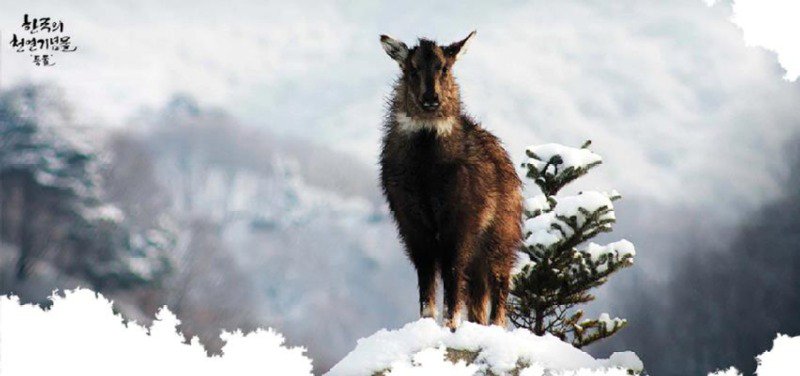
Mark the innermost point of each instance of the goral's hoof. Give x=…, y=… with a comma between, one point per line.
x=451, y=324
x=428, y=312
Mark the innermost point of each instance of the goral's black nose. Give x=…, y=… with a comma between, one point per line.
x=430, y=101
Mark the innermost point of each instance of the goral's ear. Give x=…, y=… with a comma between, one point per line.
x=457, y=49
x=396, y=49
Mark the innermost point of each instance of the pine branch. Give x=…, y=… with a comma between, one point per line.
x=560, y=276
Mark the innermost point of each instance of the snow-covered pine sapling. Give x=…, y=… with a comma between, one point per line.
x=557, y=271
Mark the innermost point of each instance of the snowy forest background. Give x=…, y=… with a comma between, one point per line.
x=222, y=160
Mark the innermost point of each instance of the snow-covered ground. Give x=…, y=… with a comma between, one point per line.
x=421, y=348
x=780, y=361
x=81, y=335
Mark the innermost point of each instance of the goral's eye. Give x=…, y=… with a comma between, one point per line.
x=444, y=69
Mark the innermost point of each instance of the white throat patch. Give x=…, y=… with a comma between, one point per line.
x=443, y=127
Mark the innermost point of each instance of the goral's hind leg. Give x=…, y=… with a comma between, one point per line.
x=478, y=296
x=501, y=251
x=500, y=287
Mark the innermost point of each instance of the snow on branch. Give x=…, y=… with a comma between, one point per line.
x=552, y=166
x=584, y=215
x=555, y=273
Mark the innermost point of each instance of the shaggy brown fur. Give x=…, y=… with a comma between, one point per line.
x=451, y=187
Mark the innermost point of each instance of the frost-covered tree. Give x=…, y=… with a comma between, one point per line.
x=53, y=209
x=557, y=270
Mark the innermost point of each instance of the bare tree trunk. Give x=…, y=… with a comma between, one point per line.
x=538, y=327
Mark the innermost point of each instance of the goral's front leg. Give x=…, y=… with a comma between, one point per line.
x=453, y=281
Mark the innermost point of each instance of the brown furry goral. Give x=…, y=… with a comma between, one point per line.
x=451, y=186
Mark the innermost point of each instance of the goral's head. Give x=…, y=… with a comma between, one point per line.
x=427, y=85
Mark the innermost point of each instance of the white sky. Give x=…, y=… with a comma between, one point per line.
x=673, y=99
x=771, y=24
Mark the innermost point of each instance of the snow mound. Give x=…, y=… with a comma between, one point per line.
x=81, y=335
x=425, y=348
x=780, y=361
